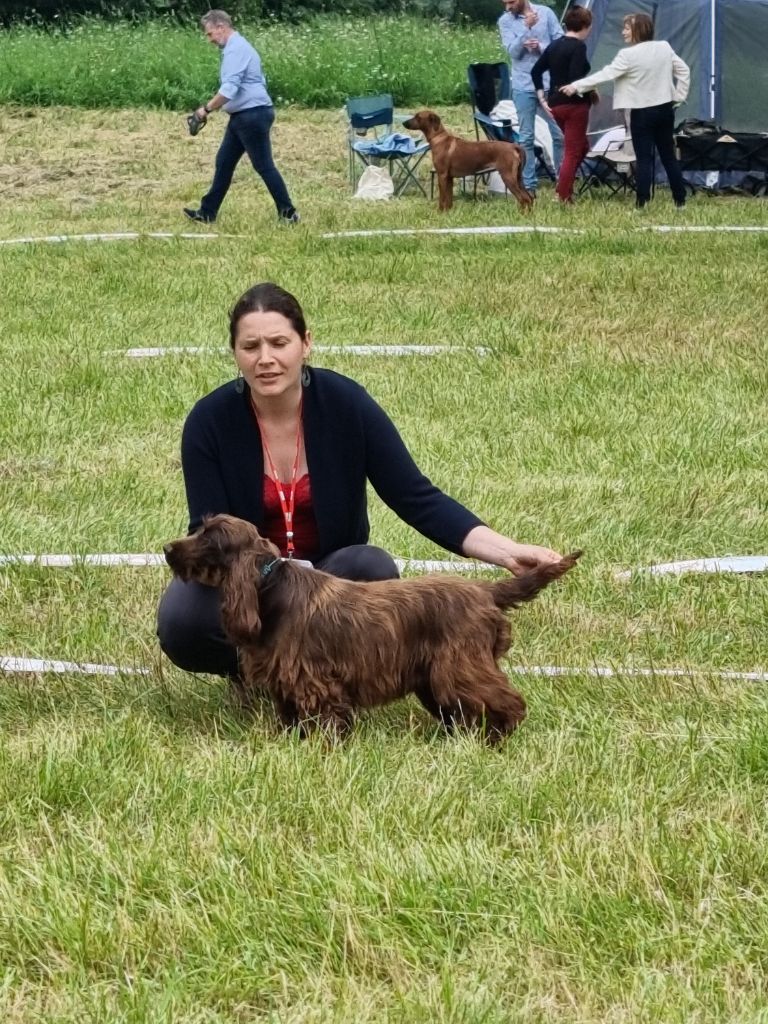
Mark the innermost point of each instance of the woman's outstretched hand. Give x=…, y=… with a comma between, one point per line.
x=489, y=546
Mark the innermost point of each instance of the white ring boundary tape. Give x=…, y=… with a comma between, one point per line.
x=703, y=228
x=116, y=236
x=512, y=229
x=505, y=229
x=616, y=672
x=148, y=558
x=728, y=563
x=522, y=230
x=41, y=666
x=338, y=350
x=725, y=563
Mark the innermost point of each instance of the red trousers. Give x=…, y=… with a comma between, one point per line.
x=572, y=118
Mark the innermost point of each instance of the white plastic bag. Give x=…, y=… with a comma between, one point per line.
x=375, y=183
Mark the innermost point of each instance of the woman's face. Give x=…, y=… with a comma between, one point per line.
x=626, y=32
x=269, y=353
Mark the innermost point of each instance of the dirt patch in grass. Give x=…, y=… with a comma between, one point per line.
x=91, y=154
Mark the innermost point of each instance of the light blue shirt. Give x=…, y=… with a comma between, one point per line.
x=242, y=80
x=513, y=33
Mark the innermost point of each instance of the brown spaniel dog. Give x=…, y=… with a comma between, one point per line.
x=453, y=157
x=323, y=647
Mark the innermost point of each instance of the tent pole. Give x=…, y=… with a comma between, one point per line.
x=712, y=58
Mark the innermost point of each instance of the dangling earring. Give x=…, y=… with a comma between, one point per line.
x=239, y=383
x=304, y=375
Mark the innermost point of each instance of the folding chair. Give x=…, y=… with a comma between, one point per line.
x=399, y=151
x=488, y=85
x=611, y=166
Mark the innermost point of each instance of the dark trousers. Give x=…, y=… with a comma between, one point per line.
x=247, y=132
x=572, y=119
x=189, y=615
x=653, y=127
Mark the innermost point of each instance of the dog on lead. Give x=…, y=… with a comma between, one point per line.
x=324, y=648
x=453, y=157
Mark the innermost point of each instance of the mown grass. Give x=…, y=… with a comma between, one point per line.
x=317, y=63
x=164, y=859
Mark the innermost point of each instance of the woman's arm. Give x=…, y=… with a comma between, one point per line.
x=682, y=78
x=618, y=67
x=489, y=546
x=203, y=481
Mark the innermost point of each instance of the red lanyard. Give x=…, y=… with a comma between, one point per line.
x=286, y=504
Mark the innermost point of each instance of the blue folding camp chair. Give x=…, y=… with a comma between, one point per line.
x=401, y=153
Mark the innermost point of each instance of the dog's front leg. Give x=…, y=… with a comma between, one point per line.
x=288, y=714
x=445, y=187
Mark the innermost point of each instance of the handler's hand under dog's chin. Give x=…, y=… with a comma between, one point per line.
x=201, y=114
x=529, y=556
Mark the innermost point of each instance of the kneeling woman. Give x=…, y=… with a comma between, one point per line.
x=290, y=449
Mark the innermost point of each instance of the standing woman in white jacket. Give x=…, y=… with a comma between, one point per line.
x=649, y=80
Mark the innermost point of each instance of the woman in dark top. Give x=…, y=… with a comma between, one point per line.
x=291, y=449
x=566, y=60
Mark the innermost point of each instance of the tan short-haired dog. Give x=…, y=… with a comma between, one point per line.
x=453, y=157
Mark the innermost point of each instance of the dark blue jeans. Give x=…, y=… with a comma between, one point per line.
x=654, y=127
x=189, y=616
x=247, y=132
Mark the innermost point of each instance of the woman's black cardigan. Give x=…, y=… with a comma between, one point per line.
x=348, y=439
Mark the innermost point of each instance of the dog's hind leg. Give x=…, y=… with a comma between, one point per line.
x=515, y=185
x=478, y=694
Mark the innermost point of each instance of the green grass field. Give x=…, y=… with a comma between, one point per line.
x=163, y=859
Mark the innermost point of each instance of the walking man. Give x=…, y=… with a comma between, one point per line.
x=243, y=95
x=526, y=30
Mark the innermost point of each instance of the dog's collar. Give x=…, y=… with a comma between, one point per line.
x=267, y=568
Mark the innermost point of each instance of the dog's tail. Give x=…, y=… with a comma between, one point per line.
x=511, y=593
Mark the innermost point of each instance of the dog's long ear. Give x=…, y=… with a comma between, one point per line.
x=240, y=598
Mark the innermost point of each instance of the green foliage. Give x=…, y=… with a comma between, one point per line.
x=318, y=62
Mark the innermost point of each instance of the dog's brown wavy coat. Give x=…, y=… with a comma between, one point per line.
x=323, y=647
x=453, y=157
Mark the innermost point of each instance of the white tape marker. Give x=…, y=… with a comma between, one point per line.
x=149, y=559
x=41, y=665
x=702, y=229
x=509, y=229
x=726, y=563
x=646, y=673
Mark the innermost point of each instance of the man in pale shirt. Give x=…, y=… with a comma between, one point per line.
x=243, y=95
x=526, y=30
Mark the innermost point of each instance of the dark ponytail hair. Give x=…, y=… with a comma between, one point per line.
x=267, y=298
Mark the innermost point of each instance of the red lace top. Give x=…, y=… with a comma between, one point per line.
x=305, y=536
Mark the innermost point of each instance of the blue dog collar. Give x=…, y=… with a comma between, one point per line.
x=267, y=569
